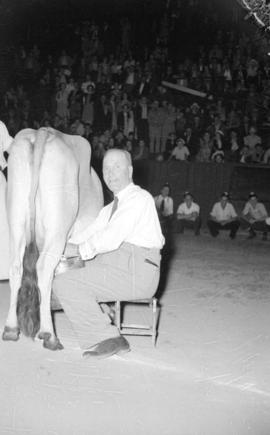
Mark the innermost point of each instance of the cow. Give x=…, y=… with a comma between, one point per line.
x=52, y=193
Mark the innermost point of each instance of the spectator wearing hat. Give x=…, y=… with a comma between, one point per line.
x=180, y=151
x=223, y=217
x=164, y=206
x=254, y=217
x=188, y=215
x=218, y=156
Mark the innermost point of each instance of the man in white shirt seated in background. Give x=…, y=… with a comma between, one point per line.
x=254, y=217
x=188, y=215
x=121, y=250
x=223, y=217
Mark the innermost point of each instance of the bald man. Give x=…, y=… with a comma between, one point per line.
x=121, y=250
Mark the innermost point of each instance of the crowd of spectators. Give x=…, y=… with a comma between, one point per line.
x=115, y=96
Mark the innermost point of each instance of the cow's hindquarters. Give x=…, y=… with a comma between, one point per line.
x=42, y=206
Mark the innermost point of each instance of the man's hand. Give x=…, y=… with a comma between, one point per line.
x=71, y=250
x=224, y=222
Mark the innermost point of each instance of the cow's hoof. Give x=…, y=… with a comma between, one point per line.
x=50, y=341
x=44, y=335
x=11, y=334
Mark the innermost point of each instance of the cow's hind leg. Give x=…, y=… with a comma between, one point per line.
x=11, y=331
x=47, y=262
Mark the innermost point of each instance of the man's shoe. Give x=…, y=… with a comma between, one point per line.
x=107, y=348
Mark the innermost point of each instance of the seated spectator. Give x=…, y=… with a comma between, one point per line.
x=252, y=139
x=119, y=139
x=188, y=215
x=180, y=151
x=254, y=217
x=245, y=156
x=128, y=146
x=218, y=156
x=258, y=154
x=141, y=151
x=77, y=127
x=223, y=217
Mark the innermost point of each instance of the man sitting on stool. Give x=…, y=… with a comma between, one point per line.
x=254, y=217
x=223, y=217
x=121, y=249
x=188, y=214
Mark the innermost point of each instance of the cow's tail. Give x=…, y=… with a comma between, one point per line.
x=28, y=302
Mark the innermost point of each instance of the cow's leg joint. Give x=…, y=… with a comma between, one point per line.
x=50, y=341
x=11, y=334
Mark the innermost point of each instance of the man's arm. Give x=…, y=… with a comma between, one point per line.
x=117, y=229
x=233, y=214
x=213, y=214
x=95, y=226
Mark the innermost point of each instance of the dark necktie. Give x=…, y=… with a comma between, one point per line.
x=114, y=207
x=162, y=205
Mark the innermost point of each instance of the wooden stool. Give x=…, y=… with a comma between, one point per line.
x=137, y=329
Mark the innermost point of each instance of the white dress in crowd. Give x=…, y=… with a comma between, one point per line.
x=5, y=142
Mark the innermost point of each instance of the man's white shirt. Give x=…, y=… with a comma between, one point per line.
x=184, y=209
x=221, y=214
x=168, y=204
x=135, y=221
x=258, y=212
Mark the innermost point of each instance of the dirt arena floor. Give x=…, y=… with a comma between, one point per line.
x=208, y=375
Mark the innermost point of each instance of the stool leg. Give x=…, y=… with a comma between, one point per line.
x=118, y=315
x=154, y=327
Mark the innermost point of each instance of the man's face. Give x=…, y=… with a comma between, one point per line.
x=224, y=201
x=188, y=200
x=165, y=191
x=117, y=172
x=253, y=201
